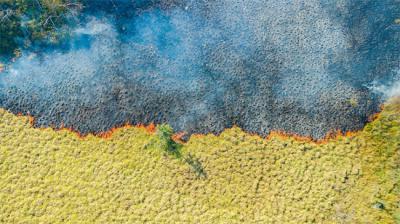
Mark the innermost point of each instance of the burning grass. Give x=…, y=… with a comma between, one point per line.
x=54, y=176
x=179, y=137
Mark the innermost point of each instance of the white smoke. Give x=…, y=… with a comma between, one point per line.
x=388, y=91
x=94, y=27
x=260, y=64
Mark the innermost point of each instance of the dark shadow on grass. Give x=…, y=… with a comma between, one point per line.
x=165, y=142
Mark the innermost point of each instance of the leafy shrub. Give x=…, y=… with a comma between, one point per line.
x=164, y=140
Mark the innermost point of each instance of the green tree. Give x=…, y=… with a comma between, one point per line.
x=164, y=140
x=23, y=22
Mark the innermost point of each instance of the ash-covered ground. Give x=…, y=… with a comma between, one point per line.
x=304, y=67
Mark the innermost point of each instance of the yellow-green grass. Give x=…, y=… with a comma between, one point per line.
x=49, y=176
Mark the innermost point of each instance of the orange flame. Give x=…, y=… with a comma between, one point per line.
x=177, y=137
x=151, y=128
x=331, y=135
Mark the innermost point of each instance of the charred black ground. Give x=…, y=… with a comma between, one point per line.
x=304, y=67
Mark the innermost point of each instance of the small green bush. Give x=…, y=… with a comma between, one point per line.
x=165, y=142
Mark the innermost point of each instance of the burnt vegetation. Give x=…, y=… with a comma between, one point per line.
x=199, y=66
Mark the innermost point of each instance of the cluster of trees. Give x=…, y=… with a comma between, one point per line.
x=25, y=22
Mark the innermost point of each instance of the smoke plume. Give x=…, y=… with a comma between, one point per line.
x=304, y=67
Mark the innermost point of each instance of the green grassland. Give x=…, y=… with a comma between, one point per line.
x=49, y=176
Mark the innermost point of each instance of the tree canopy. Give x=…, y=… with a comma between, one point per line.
x=26, y=22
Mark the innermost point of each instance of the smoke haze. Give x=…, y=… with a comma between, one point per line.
x=304, y=67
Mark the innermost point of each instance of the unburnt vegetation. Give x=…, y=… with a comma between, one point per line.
x=52, y=176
